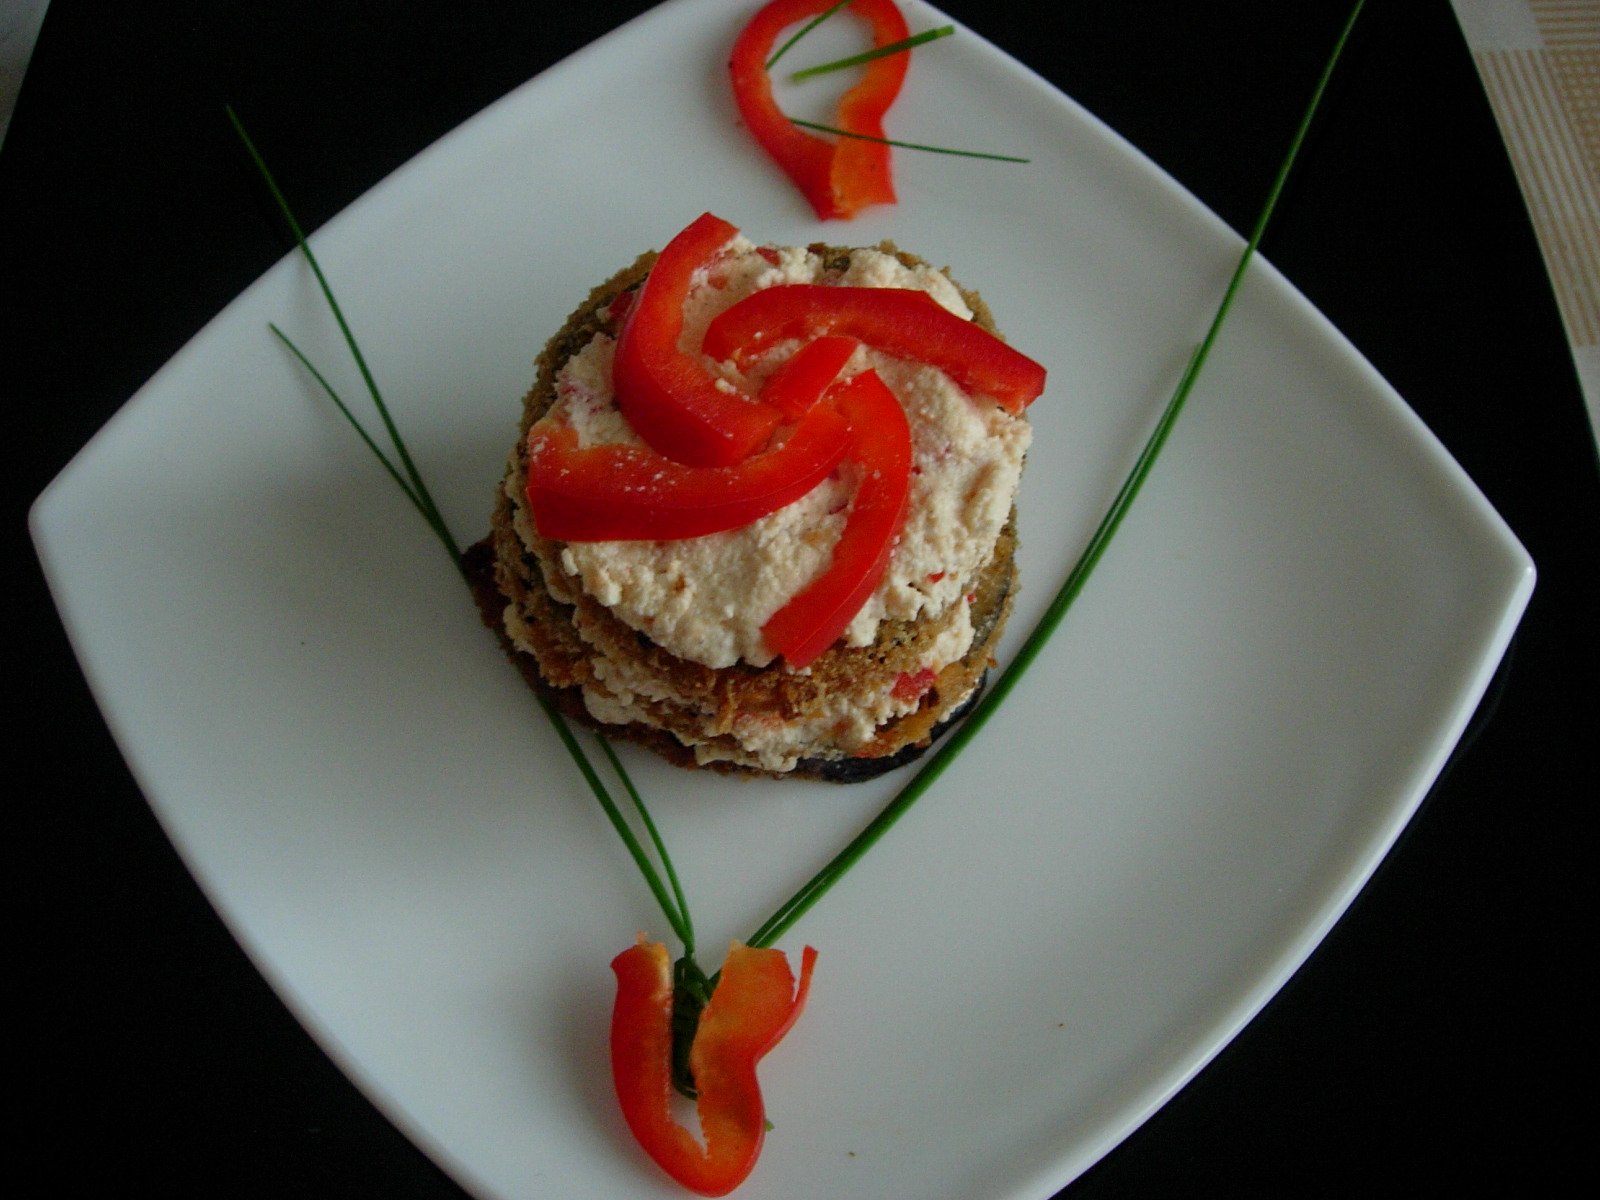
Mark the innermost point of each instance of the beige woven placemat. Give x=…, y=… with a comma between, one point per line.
x=1540, y=64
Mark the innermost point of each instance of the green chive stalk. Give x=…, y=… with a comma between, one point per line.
x=406, y=475
x=669, y=892
x=867, y=137
x=807, y=28
x=819, y=884
x=866, y=56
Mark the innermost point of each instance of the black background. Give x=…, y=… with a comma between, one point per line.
x=1425, y=1045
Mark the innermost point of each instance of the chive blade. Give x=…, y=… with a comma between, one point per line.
x=435, y=517
x=675, y=918
x=819, y=884
x=681, y=903
x=805, y=29
x=674, y=906
x=355, y=423
x=867, y=137
x=877, y=52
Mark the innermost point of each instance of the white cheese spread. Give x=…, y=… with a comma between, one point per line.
x=705, y=599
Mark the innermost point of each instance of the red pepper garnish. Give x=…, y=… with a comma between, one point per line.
x=800, y=382
x=899, y=321
x=880, y=443
x=839, y=177
x=755, y=1003
x=668, y=396
x=625, y=493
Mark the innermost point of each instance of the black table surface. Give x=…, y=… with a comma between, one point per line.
x=1426, y=1043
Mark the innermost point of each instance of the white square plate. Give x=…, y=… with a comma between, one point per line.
x=1256, y=690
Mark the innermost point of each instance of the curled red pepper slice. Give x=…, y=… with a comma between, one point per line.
x=800, y=382
x=755, y=1003
x=899, y=321
x=668, y=396
x=839, y=177
x=880, y=443
x=631, y=493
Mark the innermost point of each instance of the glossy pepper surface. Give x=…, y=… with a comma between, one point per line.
x=899, y=321
x=838, y=176
x=627, y=492
x=666, y=394
x=880, y=446
x=755, y=1003
x=800, y=382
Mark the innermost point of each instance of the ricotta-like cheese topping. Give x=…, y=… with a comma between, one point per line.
x=705, y=599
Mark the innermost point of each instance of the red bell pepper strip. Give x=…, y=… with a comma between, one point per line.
x=668, y=396
x=755, y=1003
x=626, y=492
x=913, y=685
x=839, y=177
x=800, y=382
x=899, y=321
x=881, y=445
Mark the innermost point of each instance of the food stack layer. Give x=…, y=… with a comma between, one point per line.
x=672, y=641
